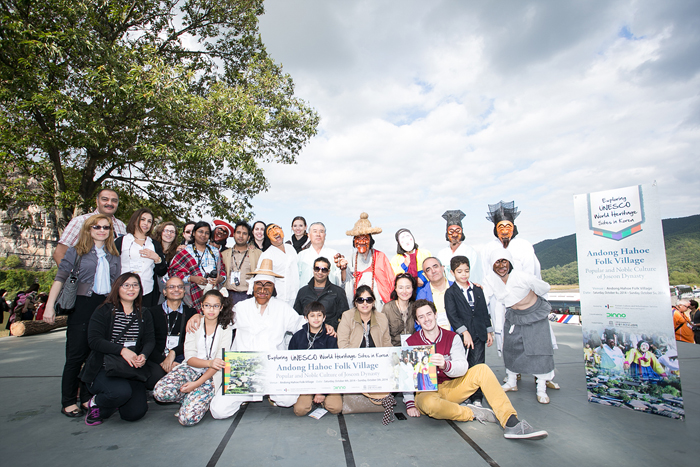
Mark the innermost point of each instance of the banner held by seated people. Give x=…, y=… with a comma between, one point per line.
x=330, y=371
x=630, y=351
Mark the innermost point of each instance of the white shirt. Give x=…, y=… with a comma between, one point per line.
x=306, y=259
x=260, y=333
x=133, y=262
x=476, y=273
x=518, y=285
x=284, y=263
x=523, y=253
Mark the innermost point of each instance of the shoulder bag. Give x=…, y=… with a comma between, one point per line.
x=65, y=303
x=117, y=367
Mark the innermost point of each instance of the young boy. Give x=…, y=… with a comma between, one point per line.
x=313, y=336
x=468, y=313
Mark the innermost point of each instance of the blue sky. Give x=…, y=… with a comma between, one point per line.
x=430, y=106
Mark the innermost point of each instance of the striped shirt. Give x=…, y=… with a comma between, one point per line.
x=72, y=231
x=121, y=320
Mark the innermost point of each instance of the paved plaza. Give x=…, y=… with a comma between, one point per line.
x=34, y=433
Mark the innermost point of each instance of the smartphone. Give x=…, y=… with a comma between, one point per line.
x=400, y=415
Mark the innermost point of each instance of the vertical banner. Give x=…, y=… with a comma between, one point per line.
x=629, y=343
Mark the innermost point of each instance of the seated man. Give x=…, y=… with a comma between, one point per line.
x=313, y=335
x=457, y=382
x=169, y=319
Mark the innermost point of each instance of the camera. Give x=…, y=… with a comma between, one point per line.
x=211, y=275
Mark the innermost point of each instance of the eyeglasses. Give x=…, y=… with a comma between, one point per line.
x=133, y=285
x=321, y=269
x=169, y=231
x=101, y=227
x=175, y=287
x=207, y=306
x=367, y=300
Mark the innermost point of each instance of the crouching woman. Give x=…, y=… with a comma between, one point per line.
x=120, y=336
x=194, y=382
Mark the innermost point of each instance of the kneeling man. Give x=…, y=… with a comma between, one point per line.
x=457, y=382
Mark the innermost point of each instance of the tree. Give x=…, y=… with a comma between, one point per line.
x=173, y=102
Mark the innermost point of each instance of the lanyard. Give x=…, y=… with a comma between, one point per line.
x=200, y=258
x=211, y=346
x=238, y=266
x=311, y=341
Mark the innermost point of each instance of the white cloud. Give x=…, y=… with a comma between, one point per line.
x=430, y=106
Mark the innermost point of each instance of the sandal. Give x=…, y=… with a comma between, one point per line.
x=73, y=413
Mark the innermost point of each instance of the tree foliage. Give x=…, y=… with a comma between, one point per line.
x=175, y=102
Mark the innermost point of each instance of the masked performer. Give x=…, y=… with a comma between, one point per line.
x=457, y=247
x=284, y=258
x=526, y=339
x=409, y=258
x=367, y=266
x=523, y=256
x=643, y=364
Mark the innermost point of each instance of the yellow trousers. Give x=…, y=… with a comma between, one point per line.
x=444, y=403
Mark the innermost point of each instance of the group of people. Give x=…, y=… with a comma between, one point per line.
x=153, y=313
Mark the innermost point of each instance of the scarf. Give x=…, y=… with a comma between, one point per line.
x=102, y=284
x=299, y=244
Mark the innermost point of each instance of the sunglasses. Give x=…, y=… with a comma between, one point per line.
x=101, y=227
x=367, y=300
x=321, y=269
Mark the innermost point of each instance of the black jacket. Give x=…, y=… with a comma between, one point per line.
x=300, y=340
x=100, y=340
x=160, y=329
x=460, y=314
x=332, y=297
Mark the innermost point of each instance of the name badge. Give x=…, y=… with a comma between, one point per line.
x=172, y=342
x=130, y=344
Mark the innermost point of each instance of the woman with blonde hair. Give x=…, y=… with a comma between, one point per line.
x=98, y=267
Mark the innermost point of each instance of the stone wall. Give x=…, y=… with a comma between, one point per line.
x=34, y=245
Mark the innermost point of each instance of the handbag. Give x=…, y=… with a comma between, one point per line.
x=117, y=367
x=65, y=303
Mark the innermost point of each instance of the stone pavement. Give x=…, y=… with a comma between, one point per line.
x=34, y=433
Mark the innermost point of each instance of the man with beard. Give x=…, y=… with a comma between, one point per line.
x=457, y=247
x=107, y=204
x=238, y=262
x=367, y=266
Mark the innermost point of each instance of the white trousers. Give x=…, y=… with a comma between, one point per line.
x=225, y=406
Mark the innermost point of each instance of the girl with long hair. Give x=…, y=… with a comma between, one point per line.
x=194, y=382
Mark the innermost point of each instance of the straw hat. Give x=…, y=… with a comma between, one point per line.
x=265, y=269
x=363, y=227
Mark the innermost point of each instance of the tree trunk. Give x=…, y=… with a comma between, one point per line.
x=28, y=328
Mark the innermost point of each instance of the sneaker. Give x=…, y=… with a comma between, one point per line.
x=523, y=430
x=482, y=414
x=93, y=414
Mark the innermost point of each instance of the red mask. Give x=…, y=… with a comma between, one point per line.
x=361, y=242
